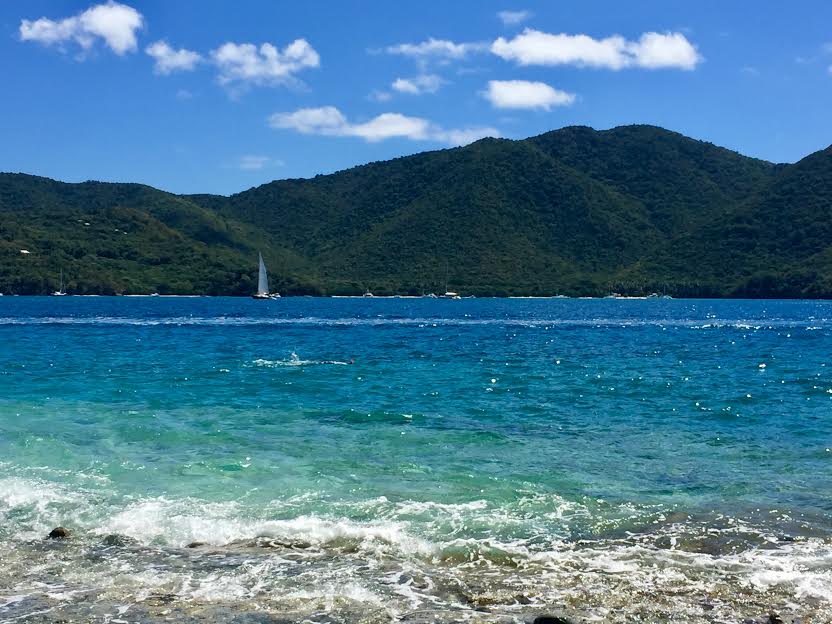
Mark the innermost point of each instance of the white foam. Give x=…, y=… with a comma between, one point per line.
x=421, y=322
x=294, y=360
x=181, y=522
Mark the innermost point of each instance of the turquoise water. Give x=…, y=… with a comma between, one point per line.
x=415, y=459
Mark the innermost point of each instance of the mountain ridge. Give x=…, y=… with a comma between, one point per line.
x=632, y=209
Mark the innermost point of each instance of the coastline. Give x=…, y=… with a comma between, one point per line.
x=427, y=297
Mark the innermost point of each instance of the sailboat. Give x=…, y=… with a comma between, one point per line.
x=60, y=292
x=263, y=282
x=449, y=294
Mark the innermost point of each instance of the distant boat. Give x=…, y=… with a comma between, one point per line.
x=60, y=292
x=263, y=282
x=368, y=294
x=449, y=294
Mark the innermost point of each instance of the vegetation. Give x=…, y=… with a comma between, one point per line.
x=633, y=210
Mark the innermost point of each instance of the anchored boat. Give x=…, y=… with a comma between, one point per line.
x=263, y=282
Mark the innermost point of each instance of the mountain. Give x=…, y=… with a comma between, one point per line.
x=634, y=209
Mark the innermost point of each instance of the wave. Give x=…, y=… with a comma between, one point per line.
x=294, y=360
x=309, y=552
x=425, y=322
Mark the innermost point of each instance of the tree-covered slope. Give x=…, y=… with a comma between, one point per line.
x=775, y=242
x=496, y=216
x=633, y=209
x=110, y=238
x=680, y=181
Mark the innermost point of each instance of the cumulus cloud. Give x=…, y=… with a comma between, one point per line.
x=652, y=50
x=436, y=49
x=169, y=60
x=113, y=23
x=245, y=63
x=525, y=94
x=329, y=121
x=512, y=18
x=656, y=51
x=424, y=83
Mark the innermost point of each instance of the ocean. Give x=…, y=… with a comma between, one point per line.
x=415, y=460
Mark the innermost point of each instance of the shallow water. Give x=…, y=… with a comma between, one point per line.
x=415, y=460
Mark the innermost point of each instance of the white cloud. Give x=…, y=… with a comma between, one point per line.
x=525, y=94
x=245, y=63
x=326, y=120
x=169, y=60
x=651, y=51
x=512, y=18
x=436, y=48
x=424, y=83
x=657, y=51
x=116, y=24
x=252, y=162
x=464, y=136
x=184, y=94
x=380, y=96
x=389, y=126
x=329, y=121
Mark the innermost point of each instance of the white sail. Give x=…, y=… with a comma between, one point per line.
x=262, y=279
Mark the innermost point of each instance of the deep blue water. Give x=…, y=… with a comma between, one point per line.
x=499, y=454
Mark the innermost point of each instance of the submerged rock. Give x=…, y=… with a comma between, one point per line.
x=59, y=533
x=114, y=539
x=552, y=619
x=771, y=618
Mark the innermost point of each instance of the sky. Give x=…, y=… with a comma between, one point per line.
x=203, y=96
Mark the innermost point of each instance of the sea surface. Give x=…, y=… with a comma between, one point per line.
x=415, y=460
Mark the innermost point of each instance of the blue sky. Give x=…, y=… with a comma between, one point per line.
x=203, y=96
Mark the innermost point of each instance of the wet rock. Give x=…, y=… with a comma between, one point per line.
x=162, y=599
x=552, y=619
x=771, y=618
x=195, y=545
x=117, y=540
x=59, y=533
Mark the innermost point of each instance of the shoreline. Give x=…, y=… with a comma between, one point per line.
x=438, y=298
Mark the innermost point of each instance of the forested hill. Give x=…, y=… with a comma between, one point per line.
x=634, y=210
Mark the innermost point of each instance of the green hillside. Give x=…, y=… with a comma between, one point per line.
x=576, y=211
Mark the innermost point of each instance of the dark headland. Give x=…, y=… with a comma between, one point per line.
x=632, y=210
